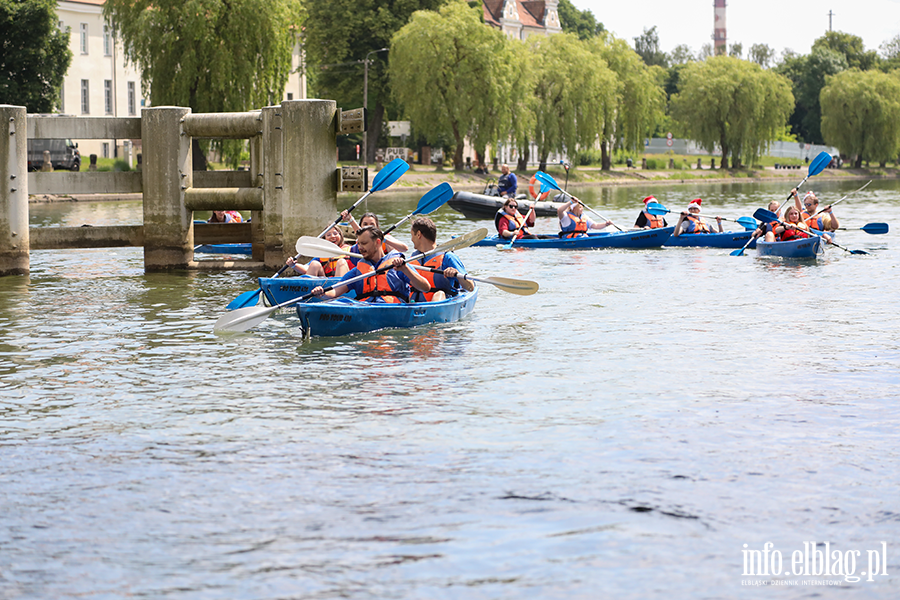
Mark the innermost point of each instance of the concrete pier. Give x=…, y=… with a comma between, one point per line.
x=14, y=239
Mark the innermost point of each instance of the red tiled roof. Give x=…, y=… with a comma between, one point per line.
x=492, y=10
x=533, y=15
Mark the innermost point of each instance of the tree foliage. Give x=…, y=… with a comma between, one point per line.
x=861, y=114
x=762, y=54
x=807, y=74
x=35, y=55
x=850, y=47
x=647, y=45
x=732, y=104
x=680, y=55
x=580, y=22
x=453, y=75
x=339, y=36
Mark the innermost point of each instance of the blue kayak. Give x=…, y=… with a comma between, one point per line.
x=344, y=315
x=727, y=239
x=800, y=248
x=282, y=289
x=639, y=238
x=244, y=248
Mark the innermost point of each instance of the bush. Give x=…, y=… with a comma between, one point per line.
x=121, y=165
x=588, y=157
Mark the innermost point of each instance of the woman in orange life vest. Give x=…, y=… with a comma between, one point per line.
x=573, y=223
x=647, y=221
x=791, y=228
x=225, y=216
x=691, y=222
x=508, y=219
x=443, y=285
x=764, y=228
x=325, y=267
x=824, y=221
x=391, y=286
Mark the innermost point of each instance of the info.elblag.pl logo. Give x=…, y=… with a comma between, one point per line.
x=814, y=560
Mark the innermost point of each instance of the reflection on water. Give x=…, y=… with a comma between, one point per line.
x=628, y=428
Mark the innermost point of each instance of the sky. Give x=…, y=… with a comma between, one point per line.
x=792, y=24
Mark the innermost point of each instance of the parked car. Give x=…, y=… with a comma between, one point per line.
x=64, y=154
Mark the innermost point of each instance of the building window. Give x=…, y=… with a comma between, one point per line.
x=107, y=41
x=107, y=96
x=105, y=149
x=85, y=97
x=131, y=99
x=290, y=96
x=84, y=38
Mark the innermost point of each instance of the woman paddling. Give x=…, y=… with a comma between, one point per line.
x=691, y=222
x=325, y=267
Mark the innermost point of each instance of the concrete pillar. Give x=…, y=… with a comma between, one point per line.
x=168, y=231
x=255, y=143
x=699, y=163
x=309, y=199
x=47, y=165
x=272, y=161
x=14, y=242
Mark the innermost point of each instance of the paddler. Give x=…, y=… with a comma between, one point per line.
x=423, y=233
x=573, y=223
x=764, y=228
x=508, y=220
x=225, y=216
x=691, y=222
x=325, y=267
x=823, y=220
x=370, y=219
x=647, y=221
x=791, y=228
x=391, y=286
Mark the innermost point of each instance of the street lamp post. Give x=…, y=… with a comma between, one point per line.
x=365, y=151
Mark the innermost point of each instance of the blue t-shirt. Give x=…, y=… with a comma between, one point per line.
x=508, y=183
x=398, y=280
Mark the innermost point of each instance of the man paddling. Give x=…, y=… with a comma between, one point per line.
x=647, y=221
x=691, y=222
x=573, y=223
x=391, y=286
x=423, y=233
x=823, y=220
x=764, y=228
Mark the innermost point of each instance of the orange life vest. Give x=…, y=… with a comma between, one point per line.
x=235, y=216
x=378, y=286
x=654, y=221
x=518, y=220
x=792, y=233
x=699, y=226
x=580, y=226
x=330, y=264
x=434, y=262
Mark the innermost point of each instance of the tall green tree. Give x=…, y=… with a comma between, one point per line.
x=647, y=46
x=452, y=74
x=680, y=55
x=580, y=22
x=34, y=55
x=209, y=55
x=762, y=54
x=850, y=47
x=732, y=104
x=861, y=114
x=890, y=54
x=340, y=34
x=575, y=95
x=807, y=74
x=639, y=101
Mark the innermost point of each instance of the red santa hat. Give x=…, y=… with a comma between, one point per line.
x=650, y=199
x=695, y=203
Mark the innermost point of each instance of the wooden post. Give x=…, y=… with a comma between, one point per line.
x=14, y=240
x=168, y=235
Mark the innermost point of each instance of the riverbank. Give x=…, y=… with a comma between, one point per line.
x=426, y=177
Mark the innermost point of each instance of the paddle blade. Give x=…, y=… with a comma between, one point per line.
x=819, y=163
x=547, y=181
x=858, y=252
x=875, y=228
x=463, y=241
x=738, y=252
x=390, y=173
x=520, y=287
x=319, y=248
x=765, y=216
x=434, y=199
x=654, y=208
x=246, y=299
x=243, y=319
x=747, y=223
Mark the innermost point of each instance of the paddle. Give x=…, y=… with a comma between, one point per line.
x=815, y=167
x=515, y=234
x=384, y=179
x=521, y=287
x=430, y=202
x=762, y=215
x=654, y=208
x=243, y=319
x=767, y=216
x=548, y=180
x=873, y=228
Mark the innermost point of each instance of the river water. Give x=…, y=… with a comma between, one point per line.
x=639, y=428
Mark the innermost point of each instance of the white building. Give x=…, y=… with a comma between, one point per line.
x=101, y=83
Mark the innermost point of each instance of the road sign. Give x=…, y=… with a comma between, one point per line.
x=669, y=136
x=670, y=142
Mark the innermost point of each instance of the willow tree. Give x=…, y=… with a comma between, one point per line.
x=453, y=75
x=640, y=101
x=574, y=95
x=861, y=114
x=209, y=55
x=733, y=104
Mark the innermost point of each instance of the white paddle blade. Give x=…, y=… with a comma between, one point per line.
x=520, y=287
x=243, y=319
x=317, y=247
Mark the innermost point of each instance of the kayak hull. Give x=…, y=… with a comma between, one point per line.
x=728, y=239
x=479, y=206
x=244, y=248
x=640, y=238
x=802, y=248
x=345, y=316
x=281, y=289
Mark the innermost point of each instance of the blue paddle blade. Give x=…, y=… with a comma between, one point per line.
x=766, y=216
x=547, y=180
x=246, y=299
x=875, y=228
x=747, y=223
x=390, y=173
x=434, y=199
x=655, y=208
x=819, y=163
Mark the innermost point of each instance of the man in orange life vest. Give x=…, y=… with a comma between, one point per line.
x=443, y=285
x=573, y=223
x=391, y=286
x=647, y=221
x=508, y=220
x=823, y=221
x=691, y=222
